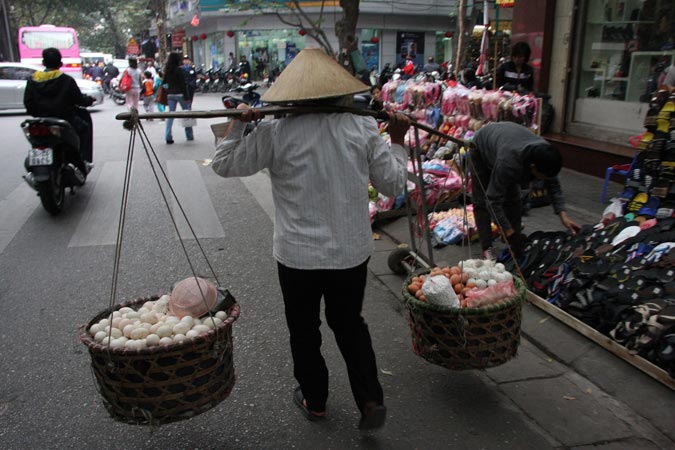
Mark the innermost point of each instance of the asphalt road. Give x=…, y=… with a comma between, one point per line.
x=56, y=272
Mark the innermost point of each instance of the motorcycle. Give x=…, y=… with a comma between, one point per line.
x=55, y=145
x=117, y=96
x=250, y=97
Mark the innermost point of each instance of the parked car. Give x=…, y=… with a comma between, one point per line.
x=13, y=77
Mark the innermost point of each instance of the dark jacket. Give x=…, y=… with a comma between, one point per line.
x=54, y=94
x=509, y=78
x=175, y=79
x=503, y=148
x=110, y=72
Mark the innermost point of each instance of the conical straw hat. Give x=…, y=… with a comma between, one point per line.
x=312, y=75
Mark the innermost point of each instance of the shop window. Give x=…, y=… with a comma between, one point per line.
x=268, y=50
x=626, y=46
x=370, y=48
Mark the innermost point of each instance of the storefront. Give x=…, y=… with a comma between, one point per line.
x=623, y=47
x=268, y=49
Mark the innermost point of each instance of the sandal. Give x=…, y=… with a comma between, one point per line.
x=299, y=400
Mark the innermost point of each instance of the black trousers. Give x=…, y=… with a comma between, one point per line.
x=343, y=292
x=512, y=204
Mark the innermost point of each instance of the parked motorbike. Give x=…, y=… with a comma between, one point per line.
x=55, y=145
x=116, y=95
x=250, y=97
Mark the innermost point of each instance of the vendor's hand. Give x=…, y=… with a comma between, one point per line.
x=399, y=125
x=569, y=223
x=517, y=243
x=251, y=115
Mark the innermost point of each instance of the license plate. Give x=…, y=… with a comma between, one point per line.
x=40, y=156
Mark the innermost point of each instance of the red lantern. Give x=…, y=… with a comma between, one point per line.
x=202, y=36
x=374, y=39
x=194, y=38
x=302, y=32
x=230, y=34
x=449, y=34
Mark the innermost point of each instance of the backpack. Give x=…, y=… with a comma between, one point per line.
x=125, y=83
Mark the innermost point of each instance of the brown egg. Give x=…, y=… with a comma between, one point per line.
x=458, y=288
x=455, y=278
x=414, y=287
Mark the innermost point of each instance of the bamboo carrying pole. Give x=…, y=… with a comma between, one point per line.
x=129, y=117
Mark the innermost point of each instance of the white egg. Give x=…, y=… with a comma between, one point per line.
x=478, y=263
x=179, y=338
x=155, y=327
x=98, y=337
x=181, y=328
x=165, y=331
x=149, y=317
x=484, y=275
x=222, y=315
x=124, y=322
x=107, y=328
x=122, y=338
x=481, y=284
x=488, y=264
x=149, y=305
x=172, y=320
x=117, y=314
x=491, y=282
x=192, y=334
x=125, y=310
x=103, y=323
x=212, y=322
x=164, y=299
x=139, y=333
x=116, y=322
x=152, y=340
x=146, y=325
x=196, y=322
x=188, y=319
x=128, y=330
x=506, y=276
x=161, y=308
x=500, y=267
x=201, y=328
x=116, y=333
x=165, y=341
x=106, y=341
x=132, y=315
x=143, y=311
x=472, y=280
x=117, y=343
x=130, y=344
x=95, y=328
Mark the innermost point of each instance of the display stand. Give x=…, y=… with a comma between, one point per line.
x=605, y=342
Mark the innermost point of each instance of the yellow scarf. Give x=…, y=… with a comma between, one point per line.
x=45, y=76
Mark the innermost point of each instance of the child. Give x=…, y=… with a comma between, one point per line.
x=148, y=92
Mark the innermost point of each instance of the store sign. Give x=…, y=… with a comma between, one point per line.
x=177, y=38
x=505, y=3
x=132, y=47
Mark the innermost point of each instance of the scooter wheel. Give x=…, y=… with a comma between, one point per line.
x=52, y=194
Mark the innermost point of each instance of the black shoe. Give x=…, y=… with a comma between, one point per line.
x=89, y=166
x=373, y=417
x=169, y=141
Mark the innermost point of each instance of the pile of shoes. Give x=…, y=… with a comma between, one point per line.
x=618, y=278
x=651, y=183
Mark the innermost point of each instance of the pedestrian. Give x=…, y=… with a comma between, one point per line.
x=431, y=66
x=516, y=74
x=230, y=61
x=408, y=68
x=177, y=88
x=504, y=156
x=319, y=165
x=133, y=94
x=190, y=77
x=148, y=92
x=376, y=103
x=157, y=83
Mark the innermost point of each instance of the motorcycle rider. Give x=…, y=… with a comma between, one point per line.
x=109, y=73
x=190, y=77
x=54, y=94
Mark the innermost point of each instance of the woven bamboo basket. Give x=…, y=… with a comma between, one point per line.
x=465, y=338
x=158, y=385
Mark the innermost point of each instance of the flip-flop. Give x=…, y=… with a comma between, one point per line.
x=299, y=400
x=373, y=417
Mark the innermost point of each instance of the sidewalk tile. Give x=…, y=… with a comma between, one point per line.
x=569, y=414
x=624, y=444
x=529, y=363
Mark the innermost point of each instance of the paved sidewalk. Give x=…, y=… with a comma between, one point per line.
x=579, y=395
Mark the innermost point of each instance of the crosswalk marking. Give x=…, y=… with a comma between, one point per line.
x=191, y=191
x=15, y=211
x=98, y=225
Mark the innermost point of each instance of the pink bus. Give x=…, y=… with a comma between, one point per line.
x=32, y=40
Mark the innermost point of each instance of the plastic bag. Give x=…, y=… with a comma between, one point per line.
x=439, y=291
x=496, y=293
x=125, y=82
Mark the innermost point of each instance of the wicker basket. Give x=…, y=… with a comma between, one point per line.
x=465, y=338
x=165, y=384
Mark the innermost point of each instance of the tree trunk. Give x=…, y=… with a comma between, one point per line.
x=345, y=31
x=461, y=22
x=161, y=30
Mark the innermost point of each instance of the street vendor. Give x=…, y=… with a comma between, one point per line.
x=516, y=74
x=319, y=166
x=503, y=157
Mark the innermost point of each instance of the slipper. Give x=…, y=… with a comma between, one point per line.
x=299, y=400
x=373, y=417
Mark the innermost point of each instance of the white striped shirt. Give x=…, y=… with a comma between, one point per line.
x=319, y=167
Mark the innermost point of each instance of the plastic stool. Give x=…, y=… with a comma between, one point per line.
x=623, y=170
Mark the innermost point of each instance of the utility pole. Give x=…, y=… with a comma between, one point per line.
x=460, y=36
x=10, y=45
x=161, y=29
